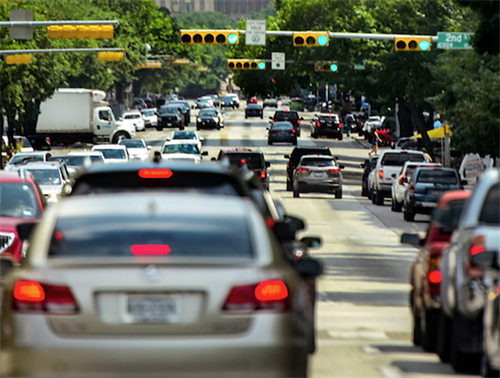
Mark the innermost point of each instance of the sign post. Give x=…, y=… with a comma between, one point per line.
x=278, y=61
x=457, y=41
x=255, y=32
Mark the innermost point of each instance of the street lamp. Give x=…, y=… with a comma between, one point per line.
x=147, y=48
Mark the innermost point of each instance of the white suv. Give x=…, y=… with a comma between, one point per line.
x=387, y=168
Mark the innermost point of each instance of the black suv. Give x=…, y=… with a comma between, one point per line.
x=253, y=159
x=294, y=159
x=288, y=115
x=327, y=124
x=170, y=116
x=184, y=108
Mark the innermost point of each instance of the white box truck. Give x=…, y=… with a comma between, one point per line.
x=78, y=115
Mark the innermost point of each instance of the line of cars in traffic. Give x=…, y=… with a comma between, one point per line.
x=201, y=265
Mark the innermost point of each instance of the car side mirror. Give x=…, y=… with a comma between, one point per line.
x=309, y=267
x=464, y=182
x=213, y=159
x=393, y=175
x=202, y=139
x=270, y=117
x=268, y=164
x=168, y=139
x=486, y=260
x=411, y=239
x=341, y=166
x=267, y=128
x=312, y=241
x=362, y=165
x=296, y=222
x=7, y=263
x=287, y=156
x=284, y=231
x=120, y=119
x=24, y=230
x=149, y=147
x=301, y=118
x=204, y=153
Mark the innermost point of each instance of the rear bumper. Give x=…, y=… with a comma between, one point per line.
x=206, y=125
x=283, y=139
x=327, y=131
x=268, y=349
x=421, y=207
x=318, y=187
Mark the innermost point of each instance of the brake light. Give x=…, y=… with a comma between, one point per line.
x=298, y=122
x=270, y=222
x=293, y=131
x=272, y=121
x=266, y=295
x=47, y=140
x=329, y=116
x=274, y=131
x=477, y=245
x=435, y=277
x=155, y=173
x=302, y=169
x=334, y=170
x=401, y=179
x=381, y=174
x=243, y=161
x=262, y=174
x=150, y=249
x=411, y=188
x=340, y=125
x=318, y=124
x=32, y=296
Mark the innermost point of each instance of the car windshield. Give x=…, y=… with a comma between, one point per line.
x=93, y=159
x=317, y=162
x=184, y=135
x=208, y=113
x=437, y=176
x=490, y=214
x=190, y=236
x=132, y=143
x=131, y=116
x=113, y=153
x=181, y=149
x=169, y=110
x=46, y=176
x=70, y=161
x=254, y=161
x=18, y=200
x=149, y=112
x=227, y=98
x=19, y=159
x=399, y=159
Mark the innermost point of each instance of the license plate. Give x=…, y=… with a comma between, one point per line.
x=151, y=308
x=169, y=124
x=429, y=204
x=437, y=192
x=318, y=174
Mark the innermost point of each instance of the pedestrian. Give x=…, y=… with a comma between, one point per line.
x=429, y=158
x=375, y=141
x=349, y=120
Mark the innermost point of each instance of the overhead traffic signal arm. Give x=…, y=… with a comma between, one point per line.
x=311, y=38
x=210, y=37
x=80, y=31
x=246, y=64
x=412, y=44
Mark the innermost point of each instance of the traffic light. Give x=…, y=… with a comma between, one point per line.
x=246, y=64
x=210, y=37
x=18, y=59
x=311, y=39
x=326, y=67
x=412, y=44
x=149, y=65
x=110, y=56
x=80, y=31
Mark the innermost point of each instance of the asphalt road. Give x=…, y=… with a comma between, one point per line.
x=363, y=318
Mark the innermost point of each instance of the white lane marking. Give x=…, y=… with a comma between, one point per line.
x=390, y=372
x=370, y=350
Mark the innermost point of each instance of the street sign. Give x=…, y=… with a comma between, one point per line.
x=21, y=32
x=255, y=32
x=454, y=41
x=278, y=61
x=359, y=67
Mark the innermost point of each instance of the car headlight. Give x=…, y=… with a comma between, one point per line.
x=216, y=119
x=53, y=197
x=198, y=119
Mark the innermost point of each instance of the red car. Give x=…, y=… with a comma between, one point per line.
x=425, y=276
x=22, y=201
x=252, y=100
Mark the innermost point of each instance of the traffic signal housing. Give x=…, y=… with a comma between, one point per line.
x=210, y=37
x=80, y=31
x=19, y=59
x=311, y=39
x=326, y=67
x=412, y=44
x=110, y=56
x=246, y=64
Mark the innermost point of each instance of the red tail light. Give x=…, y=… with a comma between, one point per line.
x=340, y=125
x=274, y=131
x=266, y=295
x=318, y=124
x=411, y=188
x=262, y=174
x=298, y=122
x=270, y=222
x=381, y=174
x=272, y=121
x=401, y=179
x=434, y=277
x=302, y=169
x=293, y=131
x=32, y=296
x=150, y=249
x=477, y=245
x=334, y=170
x=156, y=173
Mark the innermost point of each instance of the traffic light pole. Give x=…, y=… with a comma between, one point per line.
x=11, y=24
x=49, y=51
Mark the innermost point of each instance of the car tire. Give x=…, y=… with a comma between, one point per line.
x=295, y=142
x=120, y=135
x=486, y=370
x=397, y=206
x=364, y=191
x=429, y=335
x=392, y=204
x=159, y=128
x=296, y=194
x=288, y=185
x=408, y=215
x=341, y=136
x=198, y=128
x=379, y=198
x=369, y=194
x=443, y=346
x=314, y=136
x=338, y=193
x=417, y=330
x=246, y=117
x=462, y=362
x=181, y=128
x=218, y=126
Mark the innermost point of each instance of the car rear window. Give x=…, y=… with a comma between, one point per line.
x=437, y=176
x=297, y=154
x=286, y=116
x=46, y=176
x=207, y=113
x=315, y=162
x=132, y=143
x=18, y=200
x=132, y=235
x=16, y=159
x=398, y=160
x=254, y=161
x=282, y=126
x=113, y=153
x=490, y=214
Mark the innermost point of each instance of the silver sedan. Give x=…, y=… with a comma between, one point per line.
x=156, y=284
x=317, y=173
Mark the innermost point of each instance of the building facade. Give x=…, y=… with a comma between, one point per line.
x=235, y=8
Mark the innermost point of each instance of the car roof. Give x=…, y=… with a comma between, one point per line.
x=32, y=153
x=249, y=152
x=181, y=141
x=43, y=165
x=299, y=148
x=327, y=115
x=326, y=157
x=108, y=147
x=401, y=152
x=133, y=111
x=85, y=153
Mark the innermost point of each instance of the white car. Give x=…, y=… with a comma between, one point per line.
x=401, y=180
x=373, y=122
x=186, y=150
x=134, y=117
x=150, y=117
x=25, y=157
x=137, y=149
x=78, y=160
x=113, y=153
x=187, y=135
